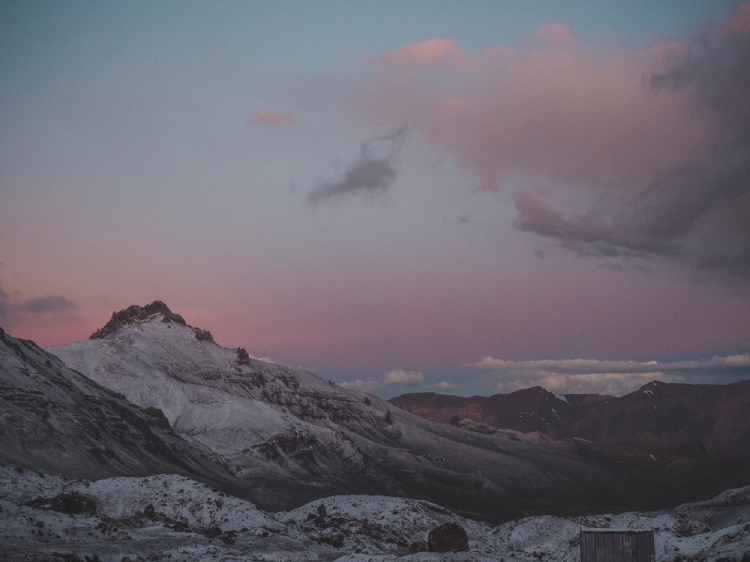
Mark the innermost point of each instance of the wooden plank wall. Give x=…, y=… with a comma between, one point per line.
x=613, y=546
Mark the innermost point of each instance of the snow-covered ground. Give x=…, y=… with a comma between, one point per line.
x=170, y=517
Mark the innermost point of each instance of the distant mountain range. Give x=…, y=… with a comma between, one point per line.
x=149, y=394
x=716, y=416
x=688, y=436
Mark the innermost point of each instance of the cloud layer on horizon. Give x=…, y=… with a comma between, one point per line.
x=611, y=153
x=610, y=377
x=395, y=377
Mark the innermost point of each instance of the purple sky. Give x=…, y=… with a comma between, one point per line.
x=394, y=198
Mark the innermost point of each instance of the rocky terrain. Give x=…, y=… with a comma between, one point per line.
x=170, y=517
x=294, y=438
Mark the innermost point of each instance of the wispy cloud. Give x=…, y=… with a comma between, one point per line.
x=373, y=173
x=429, y=52
x=272, y=118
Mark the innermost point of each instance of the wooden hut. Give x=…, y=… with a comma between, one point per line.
x=617, y=545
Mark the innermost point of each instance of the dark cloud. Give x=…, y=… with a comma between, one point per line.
x=372, y=174
x=698, y=210
x=50, y=303
x=12, y=311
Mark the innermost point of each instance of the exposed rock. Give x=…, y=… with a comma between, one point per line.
x=418, y=546
x=450, y=537
x=211, y=532
x=134, y=313
x=243, y=358
x=71, y=503
x=203, y=335
x=150, y=512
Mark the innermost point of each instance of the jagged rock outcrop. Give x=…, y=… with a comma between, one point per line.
x=134, y=313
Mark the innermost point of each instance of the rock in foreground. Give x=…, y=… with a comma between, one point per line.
x=449, y=537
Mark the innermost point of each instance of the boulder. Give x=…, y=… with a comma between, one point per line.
x=449, y=537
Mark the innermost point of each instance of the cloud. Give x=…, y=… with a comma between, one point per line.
x=427, y=52
x=619, y=154
x=394, y=377
x=362, y=386
x=553, y=30
x=614, y=384
x=611, y=377
x=444, y=385
x=13, y=311
x=373, y=173
x=272, y=118
x=50, y=303
x=406, y=378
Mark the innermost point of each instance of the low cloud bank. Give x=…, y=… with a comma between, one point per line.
x=610, y=377
x=396, y=377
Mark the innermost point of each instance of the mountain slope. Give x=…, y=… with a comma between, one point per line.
x=295, y=437
x=56, y=420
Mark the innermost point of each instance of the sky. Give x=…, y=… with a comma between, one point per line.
x=461, y=197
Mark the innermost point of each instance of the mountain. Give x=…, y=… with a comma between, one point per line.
x=169, y=517
x=664, y=430
x=294, y=438
x=716, y=416
x=54, y=419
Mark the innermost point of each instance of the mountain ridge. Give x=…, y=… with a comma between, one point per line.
x=298, y=438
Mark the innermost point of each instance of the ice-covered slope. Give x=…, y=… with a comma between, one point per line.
x=52, y=418
x=170, y=517
x=295, y=437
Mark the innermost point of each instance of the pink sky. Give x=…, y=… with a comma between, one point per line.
x=412, y=210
